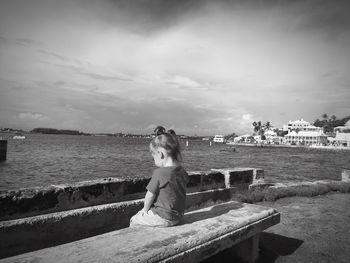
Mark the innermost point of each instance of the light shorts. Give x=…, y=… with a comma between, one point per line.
x=150, y=219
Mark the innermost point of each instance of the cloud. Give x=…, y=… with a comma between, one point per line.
x=330, y=19
x=149, y=16
x=184, y=82
x=20, y=41
x=102, y=77
x=200, y=66
x=60, y=57
x=83, y=67
x=247, y=117
x=246, y=121
x=29, y=116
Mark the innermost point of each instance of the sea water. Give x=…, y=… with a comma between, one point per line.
x=41, y=160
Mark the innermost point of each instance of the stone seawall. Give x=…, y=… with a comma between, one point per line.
x=23, y=233
x=55, y=198
x=36, y=218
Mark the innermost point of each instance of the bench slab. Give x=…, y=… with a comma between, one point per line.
x=203, y=233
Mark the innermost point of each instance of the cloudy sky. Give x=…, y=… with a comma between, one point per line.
x=200, y=67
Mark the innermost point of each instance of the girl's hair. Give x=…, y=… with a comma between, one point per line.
x=168, y=141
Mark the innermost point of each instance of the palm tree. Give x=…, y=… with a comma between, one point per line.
x=317, y=123
x=267, y=125
x=257, y=126
x=325, y=116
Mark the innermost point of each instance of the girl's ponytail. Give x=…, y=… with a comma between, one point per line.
x=172, y=132
x=159, y=130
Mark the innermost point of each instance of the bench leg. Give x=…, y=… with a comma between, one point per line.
x=247, y=250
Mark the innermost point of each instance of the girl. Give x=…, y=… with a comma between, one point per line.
x=165, y=200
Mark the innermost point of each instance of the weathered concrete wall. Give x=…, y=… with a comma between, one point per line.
x=315, y=188
x=345, y=175
x=203, y=233
x=3, y=150
x=241, y=177
x=42, y=200
x=32, y=233
x=27, y=234
x=47, y=216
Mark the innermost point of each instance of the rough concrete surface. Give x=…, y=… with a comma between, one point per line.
x=32, y=233
x=203, y=233
x=42, y=200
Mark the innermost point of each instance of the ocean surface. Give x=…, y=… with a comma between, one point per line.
x=41, y=160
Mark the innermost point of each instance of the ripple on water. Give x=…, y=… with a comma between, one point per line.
x=41, y=160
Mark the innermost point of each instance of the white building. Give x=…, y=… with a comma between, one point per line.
x=342, y=129
x=298, y=124
x=243, y=138
x=304, y=137
x=272, y=137
x=342, y=135
x=219, y=138
x=341, y=139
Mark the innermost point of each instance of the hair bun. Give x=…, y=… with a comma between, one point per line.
x=172, y=132
x=159, y=130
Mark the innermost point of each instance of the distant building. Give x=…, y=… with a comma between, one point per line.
x=343, y=129
x=298, y=124
x=244, y=138
x=306, y=137
x=272, y=137
x=341, y=139
x=301, y=125
x=219, y=138
x=342, y=135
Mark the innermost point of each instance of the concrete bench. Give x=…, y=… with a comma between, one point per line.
x=33, y=233
x=203, y=233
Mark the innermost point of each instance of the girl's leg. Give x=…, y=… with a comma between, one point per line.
x=150, y=219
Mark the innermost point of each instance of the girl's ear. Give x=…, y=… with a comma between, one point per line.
x=161, y=153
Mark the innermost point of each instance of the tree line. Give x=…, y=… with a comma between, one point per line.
x=329, y=123
x=55, y=131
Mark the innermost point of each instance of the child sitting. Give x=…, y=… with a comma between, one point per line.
x=165, y=200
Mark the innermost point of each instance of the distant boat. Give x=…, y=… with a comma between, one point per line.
x=229, y=149
x=219, y=138
x=19, y=137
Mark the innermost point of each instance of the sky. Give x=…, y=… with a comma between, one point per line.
x=198, y=67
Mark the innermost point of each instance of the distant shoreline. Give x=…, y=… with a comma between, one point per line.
x=330, y=147
x=336, y=148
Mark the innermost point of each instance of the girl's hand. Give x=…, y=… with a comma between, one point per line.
x=142, y=212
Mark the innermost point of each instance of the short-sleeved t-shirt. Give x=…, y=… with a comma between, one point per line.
x=169, y=186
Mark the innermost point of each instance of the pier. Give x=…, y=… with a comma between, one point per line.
x=3, y=150
x=95, y=211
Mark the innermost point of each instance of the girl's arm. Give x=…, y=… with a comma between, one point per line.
x=149, y=198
